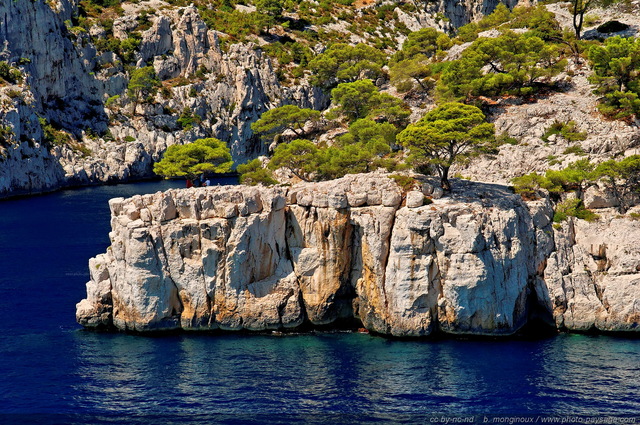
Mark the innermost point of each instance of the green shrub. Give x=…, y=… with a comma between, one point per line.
x=9, y=73
x=238, y=25
x=528, y=185
x=129, y=46
x=202, y=156
x=143, y=85
x=505, y=139
x=4, y=70
x=6, y=134
x=573, y=208
x=188, y=119
x=616, y=65
x=449, y=134
x=112, y=101
x=82, y=149
x=287, y=117
x=425, y=42
x=343, y=63
x=252, y=173
x=362, y=99
x=574, y=177
x=52, y=135
x=108, y=136
x=619, y=105
x=575, y=149
x=566, y=130
x=406, y=183
x=621, y=178
x=590, y=20
x=416, y=73
x=13, y=94
x=553, y=160
x=538, y=20
x=512, y=63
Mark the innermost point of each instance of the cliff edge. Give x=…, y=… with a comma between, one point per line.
x=478, y=262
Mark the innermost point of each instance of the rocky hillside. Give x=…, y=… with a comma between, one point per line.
x=70, y=118
x=527, y=122
x=96, y=91
x=70, y=112
x=404, y=263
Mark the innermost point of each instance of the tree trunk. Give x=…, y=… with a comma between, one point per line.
x=420, y=83
x=444, y=179
x=578, y=15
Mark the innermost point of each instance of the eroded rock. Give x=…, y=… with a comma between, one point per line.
x=473, y=262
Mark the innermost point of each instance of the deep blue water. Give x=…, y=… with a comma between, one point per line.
x=51, y=371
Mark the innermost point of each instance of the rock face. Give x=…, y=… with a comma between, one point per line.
x=463, y=12
x=58, y=72
x=593, y=279
x=68, y=82
x=477, y=262
x=457, y=13
x=26, y=167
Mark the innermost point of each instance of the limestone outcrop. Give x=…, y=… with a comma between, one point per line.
x=477, y=262
x=593, y=278
x=463, y=12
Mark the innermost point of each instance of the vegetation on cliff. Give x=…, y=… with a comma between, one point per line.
x=621, y=178
x=452, y=132
x=190, y=160
x=616, y=66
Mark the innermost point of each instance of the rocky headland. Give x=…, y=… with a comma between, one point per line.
x=479, y=261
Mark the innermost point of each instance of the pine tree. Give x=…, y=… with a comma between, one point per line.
x=446, y=135
x=190, y=160
x=143, y=84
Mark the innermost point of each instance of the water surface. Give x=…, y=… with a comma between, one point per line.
x=51, y=370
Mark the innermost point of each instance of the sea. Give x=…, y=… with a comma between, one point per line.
x=54, y=372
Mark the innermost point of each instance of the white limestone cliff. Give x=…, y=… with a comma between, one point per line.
x=472, y=263
x=593, y=279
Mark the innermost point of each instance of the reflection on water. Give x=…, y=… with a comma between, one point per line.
x=354, y=374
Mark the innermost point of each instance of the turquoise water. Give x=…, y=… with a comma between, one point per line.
x=54, y=372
